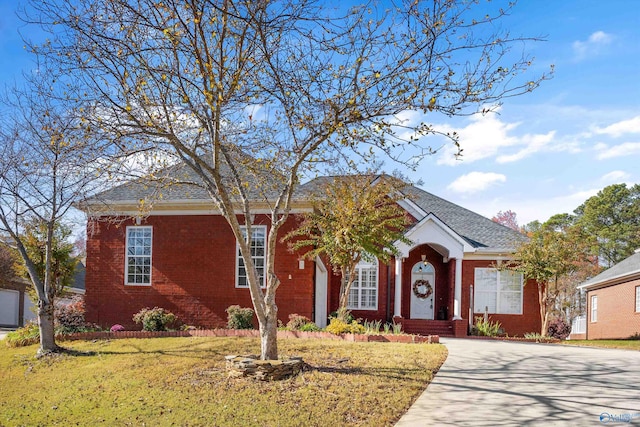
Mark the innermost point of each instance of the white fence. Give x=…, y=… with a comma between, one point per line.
x=579, y=325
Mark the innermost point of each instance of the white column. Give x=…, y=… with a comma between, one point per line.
x=397, y=307
x=457, y=294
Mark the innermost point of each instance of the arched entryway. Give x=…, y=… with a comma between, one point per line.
x=423, y=285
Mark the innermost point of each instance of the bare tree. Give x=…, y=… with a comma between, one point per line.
x=44, y=168
x=251, y=95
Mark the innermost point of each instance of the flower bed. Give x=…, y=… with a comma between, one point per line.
x=429, y=339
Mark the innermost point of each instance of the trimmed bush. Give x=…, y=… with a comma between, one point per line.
x=27, y=335
x=559, y=328
x=117, y=328
x=70, y=318
x=154, y=319
x=309, y=327
x=239, y=317
x=338, y=327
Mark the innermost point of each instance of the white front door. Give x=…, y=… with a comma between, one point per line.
x=423, y=287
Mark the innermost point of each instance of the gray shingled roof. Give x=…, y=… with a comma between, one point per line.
x=479, y=231
x=625, y=268
x=476, y=229
x=181, y=183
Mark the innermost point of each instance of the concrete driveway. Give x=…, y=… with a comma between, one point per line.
x=497, y=383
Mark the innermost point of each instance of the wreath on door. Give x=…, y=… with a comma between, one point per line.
x=422, y=289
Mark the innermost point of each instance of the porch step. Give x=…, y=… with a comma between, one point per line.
x=443, y=328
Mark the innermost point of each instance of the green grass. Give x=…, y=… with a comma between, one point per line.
x=183, y=382
x=623, y=344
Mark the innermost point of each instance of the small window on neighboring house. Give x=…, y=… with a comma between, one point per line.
x=363, y=294
x=258, y=246
x=594, y=308
x=637, y=299
x=497, y=291
x=138, y=255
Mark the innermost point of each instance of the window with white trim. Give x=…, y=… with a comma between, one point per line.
x=363, y=294
x=497, y=291
x=258, y=246
x=138, y=255
x=594, y=308
x=637, y=299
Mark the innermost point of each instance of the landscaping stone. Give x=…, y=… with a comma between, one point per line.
x=263, y=370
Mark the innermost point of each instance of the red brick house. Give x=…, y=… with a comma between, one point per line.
x=613, y=301
x=183, y=257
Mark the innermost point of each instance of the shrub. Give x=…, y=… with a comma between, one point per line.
x=70, y=318
x=117, y=328
x=533, y=336
x=338, y=327
x=559, y=328
x=239, y=317
x=373, y=327
x=297, y=321
x=485, y=327
x=346, y=316
x=309, y=327
x=154, y=319
x=27, y=335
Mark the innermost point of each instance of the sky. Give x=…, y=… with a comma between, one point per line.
x=543, y=153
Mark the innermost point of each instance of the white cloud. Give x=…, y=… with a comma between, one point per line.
x=620, y=150
x=614, y=177
x=592, y=45
x=474, y=182
x=487, y=136
x=532, y=144
x=621, y=128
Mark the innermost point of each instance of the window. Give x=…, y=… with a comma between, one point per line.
x=594, y=308
x=363, y=294
x=258, y=246
x=637, y=299
x=499, y=292
x=138, y=256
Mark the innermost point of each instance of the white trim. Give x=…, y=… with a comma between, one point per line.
x=412, y=208
x=620, y=278
x=397, y=306
x=321, y=286
x=637, y=289
x=264, y=257
x=593, y=309
x=126, y=256
x=431, y=230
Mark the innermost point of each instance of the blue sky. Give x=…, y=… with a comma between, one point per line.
x=545, y=152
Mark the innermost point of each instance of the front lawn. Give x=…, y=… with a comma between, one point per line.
x=623, y=344
x=183, y=382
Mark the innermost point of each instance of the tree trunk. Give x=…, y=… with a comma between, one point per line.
x=47, y=332
x=544, y=315
x=269, y=337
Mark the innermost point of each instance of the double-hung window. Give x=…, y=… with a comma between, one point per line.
x=637, y=299
x=258, y=245
x=138, y=255
x=594, y=308
x=363, y=294
x=497, y=291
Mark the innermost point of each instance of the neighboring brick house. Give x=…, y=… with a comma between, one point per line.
x=613, y=301
x=182, y=256
x=15, y=304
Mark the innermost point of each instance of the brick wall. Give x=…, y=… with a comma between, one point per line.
x=513, y=324
x=617, y=317
x=193, y=272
